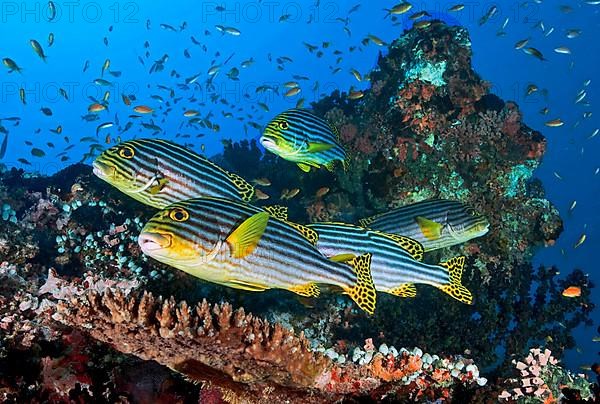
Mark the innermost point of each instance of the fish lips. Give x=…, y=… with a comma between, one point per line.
x=151, y=242
x=268, y=143
x=102, y=170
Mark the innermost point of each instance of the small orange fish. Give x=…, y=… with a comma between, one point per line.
x=126, y=100
x=289, y=194
x=260, y=194
x=572, y=291
x=321, y=192
x=95, y=107
x=265, y=182
x=190, y=112
x=292, y=91
x=142, y=109
x=554, y=123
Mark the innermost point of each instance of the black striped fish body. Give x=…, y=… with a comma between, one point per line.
x=396, y=262
x=158, y=173
x=301, y=137
x=435, y=223
x=242, y=246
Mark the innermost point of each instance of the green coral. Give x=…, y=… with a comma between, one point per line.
x=428, y=72
x=514, y=181
x=454, y=188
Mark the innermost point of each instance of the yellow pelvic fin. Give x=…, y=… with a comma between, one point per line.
x=404, y=290
x=245, y=237
x=413, y=247
x=304, y=167
x=155, y=189
x=319, y=147
x=363, y=293
x=245, y=189
x=342, y=257
x=277, y=211
x=430, y=229
x=454, y=287
x=306, y=232
x=306, y=290
x=245, y=285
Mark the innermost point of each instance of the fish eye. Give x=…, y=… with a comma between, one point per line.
x=471, y=211
x=179, y=215
x=283, y=125
x=126, y=152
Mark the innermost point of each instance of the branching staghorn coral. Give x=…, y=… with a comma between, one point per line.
x=241, y=355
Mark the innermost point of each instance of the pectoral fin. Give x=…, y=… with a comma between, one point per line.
x=430, y=229
x=160, y=184
x=342, y=257
x=245, y=237
x=319, y=147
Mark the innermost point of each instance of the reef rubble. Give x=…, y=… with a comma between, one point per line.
x=82, y=312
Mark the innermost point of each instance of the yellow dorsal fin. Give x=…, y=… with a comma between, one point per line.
x=306, y=290
x=277, y=211
x=342, y=257
x=335, y=131
x=306, y=232
x=363, y=292
x=368, y=220
x=246, y=236
x=454, y=287
x=315, y=147
x=304, y=167
x=413, y=247
x=430, y=229
x=404, y=290
x=245, y=189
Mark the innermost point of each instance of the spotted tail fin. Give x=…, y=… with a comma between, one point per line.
x=454, y=287
x=363, y=293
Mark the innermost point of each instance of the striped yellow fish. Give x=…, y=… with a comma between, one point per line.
x=395, y=262
x=158, y=172
x=435, y=223
x=301, y=137
x=244, y=247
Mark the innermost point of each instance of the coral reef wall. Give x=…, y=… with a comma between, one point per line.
x=81, y=317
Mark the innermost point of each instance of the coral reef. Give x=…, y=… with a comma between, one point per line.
x=246, y=357
x=82, y=317
x=541, y=378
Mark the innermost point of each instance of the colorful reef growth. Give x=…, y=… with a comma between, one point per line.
x=85, y=316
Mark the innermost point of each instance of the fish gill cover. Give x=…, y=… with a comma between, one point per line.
x=86, y=316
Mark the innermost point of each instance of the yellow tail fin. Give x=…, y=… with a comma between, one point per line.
x=363, y=293
x=455, y=288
